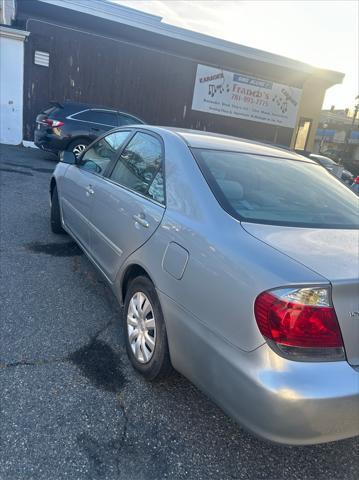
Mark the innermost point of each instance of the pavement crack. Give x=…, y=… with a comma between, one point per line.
x=121, y=403
x=34, y=363
x=122, y=440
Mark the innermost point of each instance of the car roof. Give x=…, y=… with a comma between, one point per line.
x=217, y=141
x=321, y=157
x=76, y=106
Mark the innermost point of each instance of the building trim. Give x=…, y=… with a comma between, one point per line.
x=13, y=33
x=128, y=16
x=243, y=71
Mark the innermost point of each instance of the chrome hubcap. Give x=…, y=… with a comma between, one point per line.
x=141, y=327
x=78, y=150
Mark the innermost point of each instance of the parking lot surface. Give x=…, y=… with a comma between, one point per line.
x=71, y=407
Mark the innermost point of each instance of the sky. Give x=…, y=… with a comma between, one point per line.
x=323, y=33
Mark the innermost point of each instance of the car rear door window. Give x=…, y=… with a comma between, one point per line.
x=140, y=167
x=102, y=117
x=127, y=119
x=104, y=151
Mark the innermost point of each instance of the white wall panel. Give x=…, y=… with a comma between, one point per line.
x=11, y=85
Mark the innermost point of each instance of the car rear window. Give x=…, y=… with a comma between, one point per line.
x=278, y=191
x=48, y=110
x=54, y=109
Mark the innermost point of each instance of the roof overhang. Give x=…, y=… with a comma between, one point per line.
x=13, y=33
x=114, y=12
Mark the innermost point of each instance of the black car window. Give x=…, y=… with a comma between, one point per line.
x=140, y=167
x=48, y=110
x=98, y=157
x=127, y=120
x=97, y=116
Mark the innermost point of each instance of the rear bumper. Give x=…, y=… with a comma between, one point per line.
x=49, y=141
x=283, y=401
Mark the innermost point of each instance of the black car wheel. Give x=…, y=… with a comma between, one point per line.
x=145, y=330
x=78, y=146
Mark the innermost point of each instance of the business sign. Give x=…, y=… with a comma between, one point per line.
x=241, y=96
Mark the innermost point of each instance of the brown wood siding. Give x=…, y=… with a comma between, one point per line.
x=152, y=84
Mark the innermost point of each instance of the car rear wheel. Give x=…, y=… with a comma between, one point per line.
x=145, y=330
x=55, y=216
x=78, y=146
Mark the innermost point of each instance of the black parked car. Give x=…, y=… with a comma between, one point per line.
x=73, y=126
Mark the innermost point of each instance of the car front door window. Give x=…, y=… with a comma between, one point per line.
x=140, y=168
x=104, y=151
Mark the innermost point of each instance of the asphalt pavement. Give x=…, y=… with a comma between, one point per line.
x=71, y=407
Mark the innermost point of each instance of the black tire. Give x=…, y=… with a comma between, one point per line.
x=56, y=225
x=77, y=144
x=159, y=365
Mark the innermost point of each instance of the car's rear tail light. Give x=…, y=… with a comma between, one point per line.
x=300, y=323
x=356, y=180
x=53, y=123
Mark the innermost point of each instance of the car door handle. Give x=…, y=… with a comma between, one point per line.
x=142, y=221
x=89, y=190
x=95, y=129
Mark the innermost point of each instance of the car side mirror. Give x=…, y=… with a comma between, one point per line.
x=67, y=157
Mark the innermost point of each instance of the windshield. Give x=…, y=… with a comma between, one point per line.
x=278, y=191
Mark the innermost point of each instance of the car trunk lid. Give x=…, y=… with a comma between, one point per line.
x=334, y=254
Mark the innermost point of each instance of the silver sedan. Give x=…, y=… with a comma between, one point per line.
x=236, y=264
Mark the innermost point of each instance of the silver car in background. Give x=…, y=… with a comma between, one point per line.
x=236, y=264
x=333, y=167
